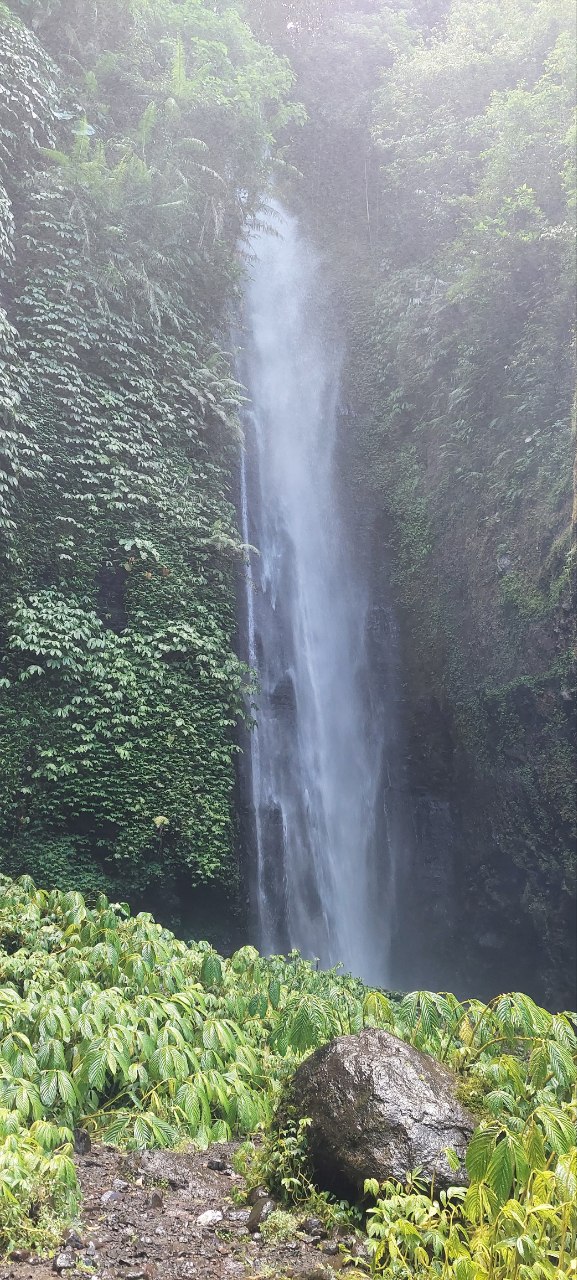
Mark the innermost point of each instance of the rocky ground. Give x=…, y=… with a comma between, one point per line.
x=177, y=1216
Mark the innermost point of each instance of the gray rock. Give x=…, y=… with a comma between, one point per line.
x=257, y=1193
x=238, y=1215
x=209, y=1218
x=64, y=1261
x=165, y=1166
x=261, y=1210
x=110, y=1197
x=73, y=1240
x=379, y=1109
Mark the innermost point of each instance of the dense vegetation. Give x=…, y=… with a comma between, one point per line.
x=109, y=1022
x=436, y=167
x=129, y=165
x=439, y=175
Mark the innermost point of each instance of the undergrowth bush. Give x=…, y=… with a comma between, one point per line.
x=109, y=1022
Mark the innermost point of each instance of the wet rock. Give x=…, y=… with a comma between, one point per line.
x=314, y=1227
x=19, y=1255
x=64, y=1261
x=82, y=1143
x=209, y=1218
x=379, y=1109
x=256, y=1193
x=261, y=1210
x=216, y=1163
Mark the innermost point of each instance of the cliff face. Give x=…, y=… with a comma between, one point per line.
x=125, y=136
x=449, y=239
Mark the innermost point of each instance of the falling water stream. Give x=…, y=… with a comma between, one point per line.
x=321, y=878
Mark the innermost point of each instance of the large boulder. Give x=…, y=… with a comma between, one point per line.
x=379, y=1109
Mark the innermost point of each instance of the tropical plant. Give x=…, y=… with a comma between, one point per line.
x=110, y=1023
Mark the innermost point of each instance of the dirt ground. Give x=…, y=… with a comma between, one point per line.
x=143, y=1218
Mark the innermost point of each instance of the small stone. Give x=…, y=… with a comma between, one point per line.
x=120, y=1185
x=238, y=1215
x=155, y=1200
x=209, y=1218
x=64, y=1261
x=261, y=1210
x=110, y=1197
x=216, y=1163
x=73, y=1240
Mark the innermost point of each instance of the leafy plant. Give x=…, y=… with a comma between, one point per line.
x=109, y=1022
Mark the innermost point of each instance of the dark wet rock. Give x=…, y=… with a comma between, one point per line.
x=73, y=1240
x=313, y=1227
x=261, y=1210
x=82, y=1143
x=217, y=1163
x=379, y=1109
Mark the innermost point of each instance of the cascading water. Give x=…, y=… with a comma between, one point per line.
x=321, y=858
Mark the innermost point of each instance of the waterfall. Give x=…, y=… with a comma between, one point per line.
x=322, y=865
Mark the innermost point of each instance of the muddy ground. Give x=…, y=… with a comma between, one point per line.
x=175, y=1216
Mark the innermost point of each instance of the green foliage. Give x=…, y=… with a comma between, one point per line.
x=109, y=1022
x=38, y=1188
x=279, y=1227
x=120, y=210
x=518, y=1217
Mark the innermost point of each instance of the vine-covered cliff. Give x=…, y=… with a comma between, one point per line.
x=133, y=145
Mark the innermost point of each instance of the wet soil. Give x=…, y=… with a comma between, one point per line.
x=159, y=1215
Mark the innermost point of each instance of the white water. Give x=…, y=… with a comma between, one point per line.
x=316, y=754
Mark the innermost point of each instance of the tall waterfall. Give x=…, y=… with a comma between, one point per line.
x=322, y=879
